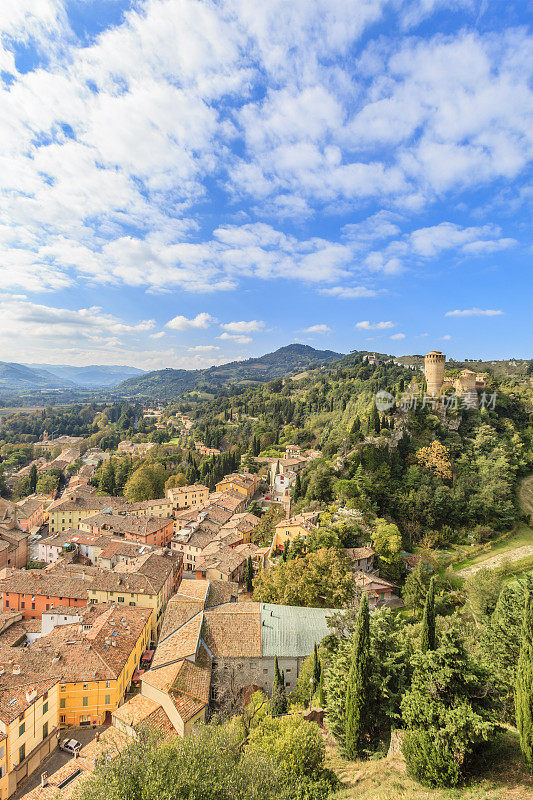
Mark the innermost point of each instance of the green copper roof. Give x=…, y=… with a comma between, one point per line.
x=291, y=631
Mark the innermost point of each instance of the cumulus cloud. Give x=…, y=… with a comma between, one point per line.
x=398, y=336
x=234, y=337
x=203, y=348
x=374, y=326
x=474, y=312
x=181, y=323
x=320, y=328
x=251, y=326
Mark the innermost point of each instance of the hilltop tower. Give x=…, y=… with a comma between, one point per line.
x=434, y=371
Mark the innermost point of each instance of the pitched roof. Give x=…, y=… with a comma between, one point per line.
x=37, y=582
x=233, y=630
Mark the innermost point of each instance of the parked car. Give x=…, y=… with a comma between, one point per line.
x=71, y=746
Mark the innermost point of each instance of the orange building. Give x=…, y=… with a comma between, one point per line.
x=33, y=592
x=156, y=531
x=32, y=511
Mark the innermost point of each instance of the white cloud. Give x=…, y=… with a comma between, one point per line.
x=251, y=326
x=374, y=326
x=349, y=292
x=234, y=337
x=446, y=337
x=320, y=328
x=203, y=348
x=474, y=312
x=398, y=336
x=181, y=323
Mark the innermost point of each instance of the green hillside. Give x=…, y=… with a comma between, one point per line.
x=170, y=383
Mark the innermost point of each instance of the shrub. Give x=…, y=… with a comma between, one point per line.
x=427, y=763
x=294, y=745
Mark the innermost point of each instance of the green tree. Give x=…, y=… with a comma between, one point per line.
x=356, y=735
x=107, y=483
x=278, y=699
x=482, y=590
x=373, y=420
x=47, y=484
x=501, y=639
x=296, y=746
x=297, y=488
x=33, y=478
x=428, y=620
x=524, y=685
x=316, y=668
x=321, y=579
x=387, y=541
x=249, y=575
x=447, y=711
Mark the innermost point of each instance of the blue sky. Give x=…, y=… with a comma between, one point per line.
x=187, y=183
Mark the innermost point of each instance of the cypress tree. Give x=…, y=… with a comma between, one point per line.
x=33, y=478
x=358, y=688
x=316, y=669
x=278, y=701
x=321, y=693
x=428, y=620
x=373, y=423
x=249, y=575
x=524, y=685
x=297, y=491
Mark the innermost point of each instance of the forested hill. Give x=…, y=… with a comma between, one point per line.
x=170, y=383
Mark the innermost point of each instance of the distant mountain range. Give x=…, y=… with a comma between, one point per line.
x=168, y=383
x=15, y=376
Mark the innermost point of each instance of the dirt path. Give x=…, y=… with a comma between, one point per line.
x=492, y=562
x=525, y=497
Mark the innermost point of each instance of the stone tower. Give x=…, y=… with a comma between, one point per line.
x=434, y=371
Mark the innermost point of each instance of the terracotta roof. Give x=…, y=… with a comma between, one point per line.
x=139, y=526
x=37, y=582
x=71, y=653
x=182, y=643
x=18, y=692
x=359, y=552
x=233, y=630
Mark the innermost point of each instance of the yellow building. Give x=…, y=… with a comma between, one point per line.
x=72, y=508
x=147, y=585
x=28, y=725
x=92, y=654
x=292, y=528
x=193, y=496
x=244, y=484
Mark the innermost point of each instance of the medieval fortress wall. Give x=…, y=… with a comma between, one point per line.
x=466, y=382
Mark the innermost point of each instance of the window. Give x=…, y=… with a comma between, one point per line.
x=62, y=687
x=22, y=752
x=23, y=604
x=85, y=687
x=22, y=728
x=6, y=604
x=120, y=599
x=62, y=719
x=107, y=699
x=45, y=730
x=85, y=701
x=45, y=708
x=62, y=702
x=33, y=605
x=45, y=695
x=107, y=684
